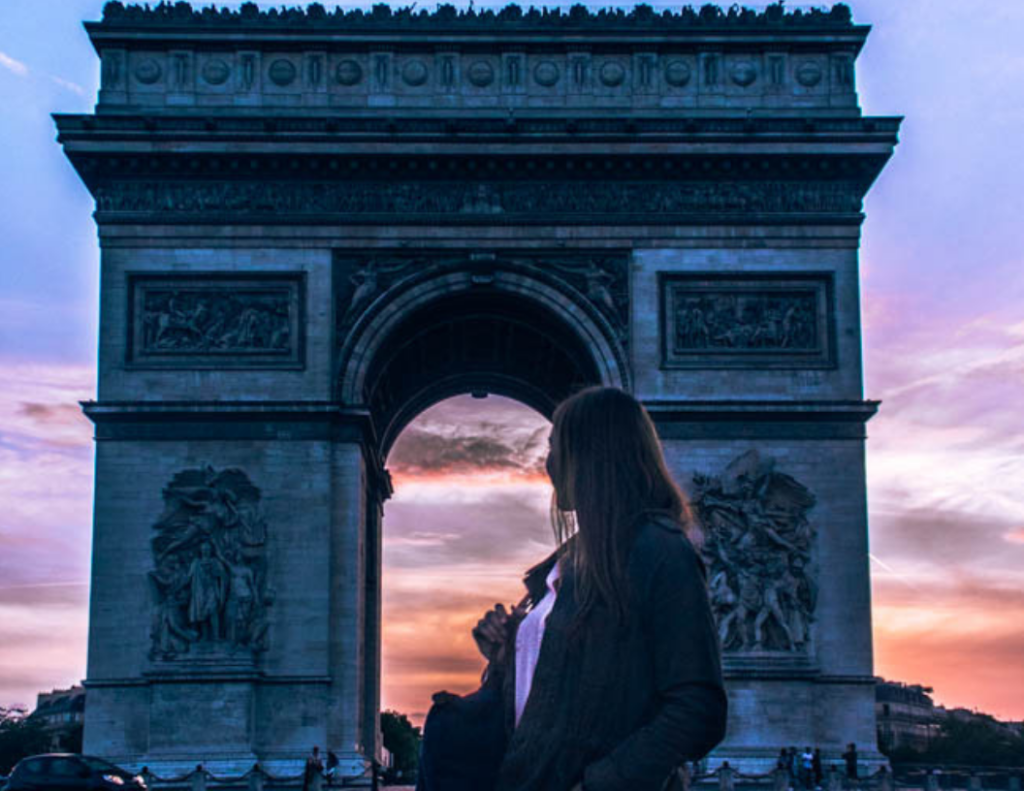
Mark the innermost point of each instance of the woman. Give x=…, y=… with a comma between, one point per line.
x=610, y=678
x=613, y=678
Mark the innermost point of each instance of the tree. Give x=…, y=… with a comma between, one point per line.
x=20, y=736
x=975, y=742
x=402, y=740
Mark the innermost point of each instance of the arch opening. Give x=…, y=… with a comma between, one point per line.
x=483, y=341
x=469, y=513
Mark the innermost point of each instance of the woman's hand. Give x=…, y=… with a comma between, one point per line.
x=491, y=632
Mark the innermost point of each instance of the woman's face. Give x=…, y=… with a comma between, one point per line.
x=554, y=468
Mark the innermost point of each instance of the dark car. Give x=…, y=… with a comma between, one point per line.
x=70, y=772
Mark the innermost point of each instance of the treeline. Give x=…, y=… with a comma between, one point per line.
x=979, y=742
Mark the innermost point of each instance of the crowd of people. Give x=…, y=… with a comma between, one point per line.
x=805, y=769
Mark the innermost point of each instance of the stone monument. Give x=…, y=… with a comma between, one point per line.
x=316, y=223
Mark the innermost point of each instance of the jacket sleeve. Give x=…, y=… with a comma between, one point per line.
x=690, y=718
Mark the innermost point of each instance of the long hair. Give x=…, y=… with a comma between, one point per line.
x=609, y=460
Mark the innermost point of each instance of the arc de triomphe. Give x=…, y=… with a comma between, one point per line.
x=314, y=224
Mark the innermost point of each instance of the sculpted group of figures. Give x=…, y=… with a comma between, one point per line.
x=758, y=547
x=209, y=583
x=756, y=321
x=214, y=320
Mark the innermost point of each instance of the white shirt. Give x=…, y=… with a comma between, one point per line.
x=528, y=639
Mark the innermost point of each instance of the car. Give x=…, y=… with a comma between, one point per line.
x=70, y=772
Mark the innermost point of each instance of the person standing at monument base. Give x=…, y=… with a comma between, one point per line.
x=621, y=682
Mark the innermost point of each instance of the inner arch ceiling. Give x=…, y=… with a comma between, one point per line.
x=486, y=341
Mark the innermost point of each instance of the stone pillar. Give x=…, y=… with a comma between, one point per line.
x=346, y=705
x=371, y=737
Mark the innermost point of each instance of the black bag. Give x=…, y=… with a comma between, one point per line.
x=463, y=740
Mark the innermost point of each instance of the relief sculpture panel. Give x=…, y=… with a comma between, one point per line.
x=200, y=320
x=757, y=548
x=724, y=321
x=209, y=581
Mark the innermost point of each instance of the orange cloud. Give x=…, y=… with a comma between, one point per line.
x=960, y=635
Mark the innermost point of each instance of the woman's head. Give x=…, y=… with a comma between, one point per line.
x=604, y=447
x=608, y=470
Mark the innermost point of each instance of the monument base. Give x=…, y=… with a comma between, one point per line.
x=762, y=760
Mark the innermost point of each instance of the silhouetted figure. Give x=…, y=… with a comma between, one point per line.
x=807, y=767
x=819, y=775
x=850, y=756
x=332, y=766
x=312, y=770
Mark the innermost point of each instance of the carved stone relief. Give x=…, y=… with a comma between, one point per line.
x=544, y=198
x=215, y=320
x=758, y=548
x=209, y=581
x=746, y=320
x=600, y=280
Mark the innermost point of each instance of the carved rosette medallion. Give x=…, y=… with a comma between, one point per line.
x=209, y=579
x=758, y=549
x=216, y=320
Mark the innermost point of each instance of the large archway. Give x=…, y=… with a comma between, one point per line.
x=452, y=329
x=315, y=224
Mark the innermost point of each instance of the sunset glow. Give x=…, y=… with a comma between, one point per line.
x=942, y=292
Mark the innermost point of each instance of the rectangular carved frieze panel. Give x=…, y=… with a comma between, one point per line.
x=216, y=320
x=714, y=320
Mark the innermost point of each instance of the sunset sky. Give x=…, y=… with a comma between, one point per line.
x=942, y=270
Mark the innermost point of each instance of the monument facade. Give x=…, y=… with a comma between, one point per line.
x=314, y=224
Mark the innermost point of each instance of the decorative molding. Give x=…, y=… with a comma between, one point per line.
x=398, y=123
x=446, y=17
x=761, y=419
x=216, y=320
x=298, y=421
x=758, y=548
x=747, y=320
x=600, y=280
x=455, y=201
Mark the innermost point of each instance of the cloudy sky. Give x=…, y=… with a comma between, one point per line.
x=944, y=343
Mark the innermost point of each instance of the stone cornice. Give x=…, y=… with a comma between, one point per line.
x=725, y=409
x=249, y=420
x=761, y=420
x=382, y=17
x=353, y=150
x=190, y=124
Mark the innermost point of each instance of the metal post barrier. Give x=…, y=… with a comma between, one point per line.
x=834, y=780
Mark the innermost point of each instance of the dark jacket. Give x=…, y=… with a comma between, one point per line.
x=622, y=706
